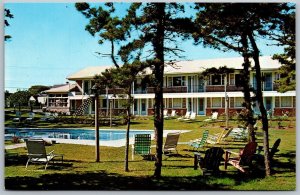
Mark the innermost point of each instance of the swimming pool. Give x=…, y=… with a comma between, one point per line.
x=78, y=134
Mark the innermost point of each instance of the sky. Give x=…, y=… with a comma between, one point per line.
x=49, y=43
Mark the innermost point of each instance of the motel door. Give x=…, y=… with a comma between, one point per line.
x=135, y=107
x=143, y=107
x=201, y=85
x=200, y=106
x=268, y=82
x=268, y=103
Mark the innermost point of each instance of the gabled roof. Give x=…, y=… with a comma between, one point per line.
x=184, y=67
x=61, y=89
x=88, y=72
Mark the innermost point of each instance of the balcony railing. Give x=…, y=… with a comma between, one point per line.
x=186, y=89
x=216, y=88
x=177, y=89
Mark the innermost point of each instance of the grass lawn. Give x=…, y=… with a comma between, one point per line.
x=80, y=172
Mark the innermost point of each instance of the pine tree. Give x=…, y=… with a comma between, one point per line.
x=229, y=24
x=159, y=27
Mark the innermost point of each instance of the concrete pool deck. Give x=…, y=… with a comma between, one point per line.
x=112, y=143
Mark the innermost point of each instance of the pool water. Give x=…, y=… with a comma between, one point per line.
x=81, y=134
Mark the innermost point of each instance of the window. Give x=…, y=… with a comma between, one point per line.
x=116, y=102
x=238, y=102
x=104, y=103
x=216, y=79
x=177, y=103
x=86, y=87
x=238, y=80
x=235, y=79
x=178, y=81
x=216, y=102
x=135, y=105
x=286, y=102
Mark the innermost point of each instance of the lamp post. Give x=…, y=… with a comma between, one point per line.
x=110, y=109
x=226, y=101
x=95, y=90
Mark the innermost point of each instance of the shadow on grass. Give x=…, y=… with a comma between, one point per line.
x=101, y=180
x=21, y=160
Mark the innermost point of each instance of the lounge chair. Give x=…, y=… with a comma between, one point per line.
x=219, y=137
x=53, y=117
x=18, y=117
x=173, y=113
x=166, y=116
x=273, y=150
x=213, y=117
x=37, y=152
x=187, y=115
x=243, y=160
x=142, y=145
x=210, y=162
x=46, y=117
x=240, y=134
x=199, y=143
x=171, y=142
x=31, y=117
x=192, y=117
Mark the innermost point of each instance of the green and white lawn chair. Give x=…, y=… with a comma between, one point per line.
x=199, y=143
x=142, y=145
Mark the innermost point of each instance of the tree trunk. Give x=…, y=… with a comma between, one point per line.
x=260, y=101
x=246, y=90
x=127, y=131
x=158, y=44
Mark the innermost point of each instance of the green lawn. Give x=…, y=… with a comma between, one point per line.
x=80, y=172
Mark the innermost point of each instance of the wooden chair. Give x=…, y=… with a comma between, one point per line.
x=242, y=160
x=211, y=161
x=273, y=150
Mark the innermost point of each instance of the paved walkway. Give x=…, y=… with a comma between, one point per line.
x=7, y=147
x=112, y=143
